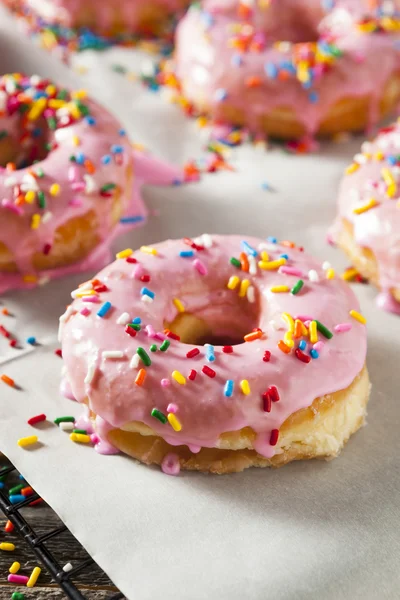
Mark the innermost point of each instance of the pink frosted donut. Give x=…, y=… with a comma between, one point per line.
x=368, y=222
x=227, y=353
x=291, y=67
x=66, y=181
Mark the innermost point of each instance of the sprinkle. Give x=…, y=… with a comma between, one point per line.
x=228, y=389
x=6, y=379
x=124, y=253
x=103, y=310
x=146, y=292
x=244, y=262
x=365, y=207
x=210, y=355
x=178, y=305
x=227, y=349
x=144, y=356
x=27, y=441
x=192, y=353
x=15, y=567
x=112, y=354
x=283, y=347
x=248, y=249
x=303, y=345
x=174, y=422
x=358, y=317
x=297, y=287
x=134, y=364
x=279, y=289
x=271, y=265
x=55, y=189
x=67, y=568
x=288, y=339
x=90, y=374
x=342, y=327
x=9, y=527
x=324, y=330
x=60, y=420
x=251, y=294
x=34, y=577
x=192, y=375
x=313, y=332
x=159, y=416
x=352, y=168
x=273, y=392
x=123, y=319
x=140, y=377
x=288, y=319
x=186, y=253
x=80, y=438
x=179, y=378
x=233, y=282
x=330, y=273
x=165, y=382
x=148, y=250
x=208, y=371
x=235, y=262
x=7, y=547
x=37, y=419
x=165, y=345
x=267, y=402
x=301, y=356
x=245, y=387
x=267, y=356
x=313, y=276
x=200, y=266
x=273, y=440
x=16, y=498
x=254, y=335
x=153, y=348
x=314, y=353
x=244, y=285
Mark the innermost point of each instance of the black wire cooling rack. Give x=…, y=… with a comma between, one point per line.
x=39, y=542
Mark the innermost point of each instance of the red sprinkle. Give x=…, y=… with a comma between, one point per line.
x=46, y=249
x=171, y=335
x=301, y=356
x=12, y=343
x=35, y=502
x=266, y=402
x=227, y=349
x=192, y=375
x=130, y=331
x=9, y=528
x=192, y=353
x=37, y=419
x=274, y=437
x=192, y=244
x=4, y=332
x=131, y=259
x=58, y=352
x=145, y=278
x=267, y=356
x=273, y=392
x=209, y=372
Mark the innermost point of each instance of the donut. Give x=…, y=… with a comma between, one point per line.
x=290, y=68
x=233, y=353
x=65, y=184
x=367, y=227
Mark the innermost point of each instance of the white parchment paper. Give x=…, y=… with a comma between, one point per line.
x=316, y=530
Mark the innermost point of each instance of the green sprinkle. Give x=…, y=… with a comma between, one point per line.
x=159, y=415
x=64, y=420
x=72, y=158
x=52, y=123
x=62, y=94
x=83, y=431
x=82, y=107
x=324, y=330
x=16, y=489
x=165, y=345
x=235, y=262
x=144, y=356
x=297, y=287
x=18, y=596
x=153, y=348
x=134, y=326
x=39, y=172
x=119, y=69
x=41, y=199
x=107, y=186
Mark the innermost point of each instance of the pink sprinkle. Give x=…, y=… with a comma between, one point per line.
x=94, y=438
x=342, y=327
x=172, y=408
x=307, y=323
x=78, y=186
x=75, y=202
x=318, y=346
x=160, y=336
x=8, y=204
x=93, y=299
x=150, y=331
x=137, y=272
x=170, y=464
x=73, y=174
x=21, y=579
x=165, y=382
x=290, y=271
x=85, y=311
x=200, y=266
x=303, y=318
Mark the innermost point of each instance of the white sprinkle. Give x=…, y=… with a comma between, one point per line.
x=207, y=240
x=90, y=184
x=135, y=361
x=67, y=568
x=62, y=134
x=313, y=275
x=251, y=296
x=10, y=181
x=46, y=217
x=44, y=280
x=146, y=298
x=123, y=319
x=113, y=354
x=90, y=374
x=148, y=68
x=326, y=265
x=252, y=265
x=267, y=246
x=67, y=426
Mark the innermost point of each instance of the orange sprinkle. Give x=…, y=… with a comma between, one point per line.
x=11, y=166
x=283, y=347
x=254, y=335
x=298, y=329
x=253, y=82
x=9, y=527
x=140, y=377
x=8, y=380
x=5, y=312
x=288, y=244
x=89, y=166
x=244, y=261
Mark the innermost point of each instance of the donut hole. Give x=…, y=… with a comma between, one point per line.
x=298, y=25
x=24, y=143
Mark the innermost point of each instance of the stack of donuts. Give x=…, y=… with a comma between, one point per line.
x=221, y=352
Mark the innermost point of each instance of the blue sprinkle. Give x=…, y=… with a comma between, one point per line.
x=31, y=340
x=137, y=321
x=103, y=310
x=21, y=477
x=186, y=253
x=177, y=182
x=207, y=18
x=130, y=220
x=220, y=95
x=116, y=149
x=90, y=120
x=271, y=70
x=313, y=97
x=237, y=60
x=106, y=159
x=228, y=389
x=288, y=66
x=314, y=353
x=146, y=292
x=392, y=160
x=284, y=256
x=80, y=158
x=248, y=249
x=1, y=485
x=122, y=132
x=271, y=239
x=303, y=345
x=37, y=132
x=16, y=498
x=40, y=94
x=210, y=356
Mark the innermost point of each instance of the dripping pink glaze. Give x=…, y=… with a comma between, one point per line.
x=95, y=141
x=379, y=228
x=170, y=464
x=71, y=12
x=205, y=59
x=203, y=410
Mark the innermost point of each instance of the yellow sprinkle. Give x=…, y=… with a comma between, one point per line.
x=358, y=317
x=349, y=274
x=85, y=293
x=80, y=438
x=279, y=289
x=288, y=339
x=75, y=140
x=15, y=567
x=29, y=196
x=27, y=441
x=352, y=168
x=124, y=253
x=288, y=319
x=233, y=282
x=330, y=273
x=7, y=547
x=56, y=103
x=388, y=178
x=37, y=109
x=148, y=250
x=79, y=94
x=30, y=278
x=379, y=155
x=178, y=305
x=74, y=110
x=55, y=189
x=271, y=265
x=313, y=332
x=35, y=222
x=264, y=256
x=201, y=122
x=51, y=89
x=174, y=422
x=179, y=377
x=367, y=206
x=245, y=387
x=34, y=577
x=244, y=285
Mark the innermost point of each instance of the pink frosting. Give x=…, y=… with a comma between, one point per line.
x=378, y=228
x=219, y=56
x=98, y=138
x=203, y=404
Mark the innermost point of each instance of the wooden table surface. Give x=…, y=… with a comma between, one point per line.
x=92, y=582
